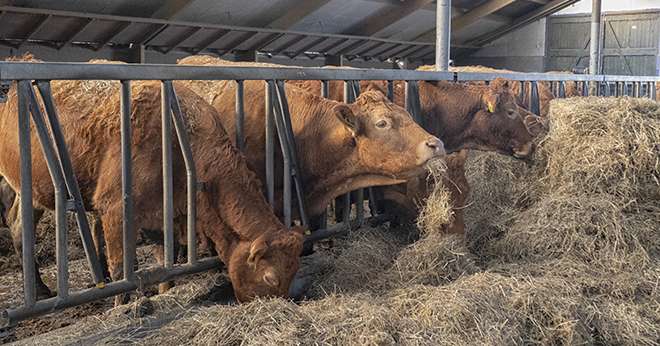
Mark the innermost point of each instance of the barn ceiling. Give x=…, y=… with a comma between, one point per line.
x=362, y=29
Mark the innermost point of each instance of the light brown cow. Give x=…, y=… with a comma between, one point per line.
x=260, y=253
x=340, y=147
x=464, y=116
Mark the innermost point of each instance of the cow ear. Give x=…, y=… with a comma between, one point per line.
x=491, y=100
x=500, y=83
x=348, y=118
x=257, y=251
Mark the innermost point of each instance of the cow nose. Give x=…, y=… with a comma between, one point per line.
x=436, y=145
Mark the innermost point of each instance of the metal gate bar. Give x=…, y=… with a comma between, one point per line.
x=191, y=172
x=270, y=143
x=534, y=102
x=168, y=187
x=128, y=231
x=65, y=184
x=285, y=115
x=27, y=222
x=143, y=278
x=66, y=168
x=59, y=189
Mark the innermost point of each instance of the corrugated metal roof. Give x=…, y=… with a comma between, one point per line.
x=358, y=29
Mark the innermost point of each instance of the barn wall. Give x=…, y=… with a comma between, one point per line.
x=521, y=50
x=630, y=42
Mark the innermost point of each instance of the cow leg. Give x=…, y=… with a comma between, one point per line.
x=99, y=243
x=15, y=225
x=111, y=223
x=159, y=252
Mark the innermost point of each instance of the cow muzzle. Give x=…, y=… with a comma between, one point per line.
x=523, y=151
x=430, y=148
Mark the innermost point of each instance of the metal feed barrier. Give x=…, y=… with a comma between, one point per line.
x=277, y=124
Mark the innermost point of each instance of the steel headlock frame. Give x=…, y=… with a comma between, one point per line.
x=60, y=166
x=290, y=158
x=55, y=157
x=65, y=185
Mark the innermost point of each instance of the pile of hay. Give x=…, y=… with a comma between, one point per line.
x=564, y=251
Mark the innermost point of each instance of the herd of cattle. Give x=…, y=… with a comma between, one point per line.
x=341, y=147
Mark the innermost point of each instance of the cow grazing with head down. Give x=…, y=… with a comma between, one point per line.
x=260, y=253
x=340, y=147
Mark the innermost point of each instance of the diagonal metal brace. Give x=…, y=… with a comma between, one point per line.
x=287, y=140
x=66, y=167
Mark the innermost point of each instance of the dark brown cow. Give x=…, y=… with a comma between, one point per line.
x=545, y=93
x=260, y=253
x=341, y=147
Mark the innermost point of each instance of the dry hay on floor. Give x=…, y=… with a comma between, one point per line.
x=44, y=246
x=557, y=253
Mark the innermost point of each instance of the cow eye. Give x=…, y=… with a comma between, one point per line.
x=381, y=124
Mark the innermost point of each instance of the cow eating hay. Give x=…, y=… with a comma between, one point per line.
x=575, y=258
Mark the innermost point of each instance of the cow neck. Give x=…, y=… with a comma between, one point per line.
x=450, y=118
x=317, y=126
x=234, y=191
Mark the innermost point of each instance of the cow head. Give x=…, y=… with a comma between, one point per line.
x=386, y=139
x=535, y=124
x=266, y=266
x=498, y=124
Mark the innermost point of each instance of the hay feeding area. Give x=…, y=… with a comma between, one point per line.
x=564, y=250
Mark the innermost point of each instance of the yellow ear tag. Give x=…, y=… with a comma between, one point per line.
x=491, y=108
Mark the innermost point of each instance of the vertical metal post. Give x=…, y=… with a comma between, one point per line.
x=561, y=93
x=191, y=174
x=59, y=188
x=325, y=89
x=325, y=92
x=296, y=168
x=286, y=162
x=59, y=185
x=585, y=88
x=168, y=189
x=522, y=96
x=390, y=90
x=65, y=167
x=27, y=223
x=534, y=103
x=594, y=51
x=654, y=91
x=617, y=89
x=442, y=34
x=270, y=144
x=128, y=231
x=240, y=115
x=637, y=89
x=346, y=217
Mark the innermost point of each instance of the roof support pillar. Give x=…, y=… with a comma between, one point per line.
x=594, y=51
x=442, y=34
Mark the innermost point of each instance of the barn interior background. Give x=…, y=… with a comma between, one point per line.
x=512, y=34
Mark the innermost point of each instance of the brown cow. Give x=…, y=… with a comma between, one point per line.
x=465, y=124
x=340, y=147
x=545, y=92
x=260, y=253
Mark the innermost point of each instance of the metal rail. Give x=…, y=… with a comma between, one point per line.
x=277, y=123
